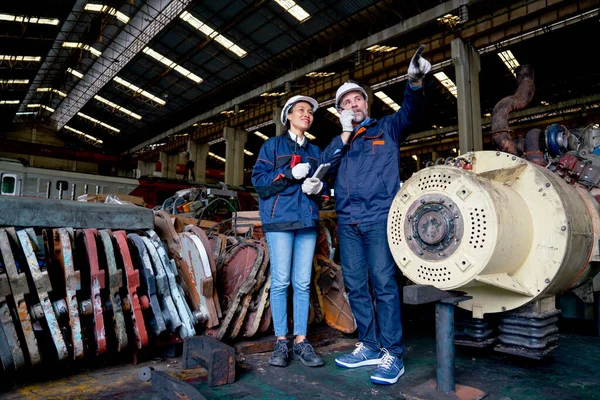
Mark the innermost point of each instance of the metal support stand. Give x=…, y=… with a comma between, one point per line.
x=444, y=386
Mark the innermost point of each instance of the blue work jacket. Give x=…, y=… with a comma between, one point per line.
x=368, y=171
x=282, y=204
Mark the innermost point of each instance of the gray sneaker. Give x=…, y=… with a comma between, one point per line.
x=304, y=352
x=281, y=354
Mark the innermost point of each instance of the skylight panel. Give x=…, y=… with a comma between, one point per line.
x=29, y=20
x=43, y=107
x=248, y=153
x=20, y=58
x=9, y=102
x=319, y=74
x=108, y=10
x=171, y=64
x=138, y=90
x=294, y=9
x=83, y=46
x=510, y=61
x=213, y=155
x=46, y=89
x=447, y=82
x=95, y=121
x=333, y=111
x=261, y=135
x=309, y=136
x=388, y=101
x=211, y=33
x=118, y=107
x=14, y=81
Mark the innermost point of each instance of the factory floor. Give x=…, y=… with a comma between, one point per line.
x=570, y=372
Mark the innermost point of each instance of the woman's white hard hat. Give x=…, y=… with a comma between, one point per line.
x=293, y=100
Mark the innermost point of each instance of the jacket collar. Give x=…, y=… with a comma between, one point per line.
x=366, y=123
x=293, y=143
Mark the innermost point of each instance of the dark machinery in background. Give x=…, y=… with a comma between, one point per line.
x=511, y=233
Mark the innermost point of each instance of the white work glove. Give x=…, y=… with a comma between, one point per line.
x=300, y=170
x=312, y=186
x=346, y=118
x=418, y=66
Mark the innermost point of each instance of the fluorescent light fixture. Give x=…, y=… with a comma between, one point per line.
x=170, y=64
x=454, y=150
x=108, y=10
x=333, y=111
x=9, y=101
x=29, y=20
x=510, y=61
x=155, y=145
x=381, y=49
x=231, y=112
x=487, y=115
x=272, y=94
x=136, y=89
x=447, y=82
x=449, y=20
x=95, y=121
x=84, y=135
x=75, y=73
x=26, y=113
x=294, y=9
x=415, y=157
x=118, y=107
x=47, y=89
x=20, y=58
x=43, y=107
x=309, y=136
x=203, y=124
x=211, y=33
x=249, y=153
x=14, y=81
x=389, y=102
x=213, y=155
x=544, y=103
x=83, y=46
x=319, y=74
x=261, y=135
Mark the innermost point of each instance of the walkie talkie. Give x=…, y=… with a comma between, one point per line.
x=295, y=160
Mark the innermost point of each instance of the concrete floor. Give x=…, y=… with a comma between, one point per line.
x=570, y=372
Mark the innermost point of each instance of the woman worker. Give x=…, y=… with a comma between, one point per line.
x=290, y=217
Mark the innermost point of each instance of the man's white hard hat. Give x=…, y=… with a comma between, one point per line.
x=347, y=88
x=293, y=100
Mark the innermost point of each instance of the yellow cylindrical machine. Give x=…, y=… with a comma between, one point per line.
x=506, y=232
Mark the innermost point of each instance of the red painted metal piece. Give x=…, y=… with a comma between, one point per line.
x=133, y=282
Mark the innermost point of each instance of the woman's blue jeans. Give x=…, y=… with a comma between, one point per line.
x=291, y=255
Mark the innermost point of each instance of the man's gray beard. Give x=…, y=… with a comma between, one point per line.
x=359, y=117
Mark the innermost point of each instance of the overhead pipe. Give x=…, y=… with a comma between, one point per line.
x=532, y=147
x=522, y=97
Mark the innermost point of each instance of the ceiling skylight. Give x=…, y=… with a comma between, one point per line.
x=510, y=61
x=108, y=10
x=43, y=107
x=164, y=60
x=294, y=9
x=14, y=81
x=261, y=135
x=389, y=102
x=8, y=102
x=47, y=89
x=82, y=135
x=95, y=121
x=333, y=111
x=248, y=153
x=447, y=82
x=211, y=33
x=138, y=90
x=20, y=58
x=213, y=155
x=29, y=20
x=83, y=46
x=75, y=73
x=118, y=107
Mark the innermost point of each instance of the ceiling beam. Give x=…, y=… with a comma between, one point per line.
x=386, y=34
x=150, y=19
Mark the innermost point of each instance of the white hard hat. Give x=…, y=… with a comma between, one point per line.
x=347, y=88
x=293, y=100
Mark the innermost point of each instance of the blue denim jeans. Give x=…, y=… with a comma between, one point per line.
x=366, y=258
x=291, y=255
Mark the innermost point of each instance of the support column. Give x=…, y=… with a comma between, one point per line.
x=279, y=127
x=235, y=140
x=169, y=165
x=467, y=65
x=371, y=97
x=434, y=156
x=198, y=154
x=418, y=161
x=145, y=168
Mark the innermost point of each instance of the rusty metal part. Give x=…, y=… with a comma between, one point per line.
x=162, y=282
x=19, y=288
x=5, y=352
x=502, y=109
x=238, y=278
x=141, y=257
x=254, y=318
x=338, y=313
x=133, y=282
x=168, y=387
x=94, y=277
x=197, y=260
x=208, y=250
x=7, y=326
x=237, y=323
x=532, y=151
x=106, y=256
x=216, y=357
x=316, y=298
x=43, y=287
x=58, y=247
x=166, y=231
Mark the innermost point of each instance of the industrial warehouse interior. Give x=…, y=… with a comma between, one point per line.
x=147, y=181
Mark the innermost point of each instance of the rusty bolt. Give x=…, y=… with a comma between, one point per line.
x=126, y=304
x=563, y=228
x=60, y=307
x=86, y=307
x=548, y=184
x=144, y=302
x=547, y=280
x=199, y=317
x=37, y=312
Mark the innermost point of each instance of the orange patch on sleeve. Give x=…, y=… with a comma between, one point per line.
x=378, y=142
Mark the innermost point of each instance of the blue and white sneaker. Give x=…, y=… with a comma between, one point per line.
x=360, y=357
x=390, y=369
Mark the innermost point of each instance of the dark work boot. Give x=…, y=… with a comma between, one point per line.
x=304, y=352
x=281, y=354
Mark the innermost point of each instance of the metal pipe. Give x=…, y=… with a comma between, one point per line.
x=48, y=189
x=444, y=338
x=532, y=151
x=502, y=109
